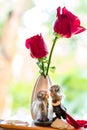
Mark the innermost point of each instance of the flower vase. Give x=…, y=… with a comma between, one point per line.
x=41, y=109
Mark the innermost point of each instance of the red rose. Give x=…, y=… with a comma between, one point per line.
x=37, y=46
x=67, y=23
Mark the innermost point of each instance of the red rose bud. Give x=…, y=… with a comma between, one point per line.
x=37, y=46
x=67, y=24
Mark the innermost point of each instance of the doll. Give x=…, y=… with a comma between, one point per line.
x=58, y=109
x=42, y=98
x=40, y=106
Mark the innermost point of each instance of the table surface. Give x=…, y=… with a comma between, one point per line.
x=33, y=127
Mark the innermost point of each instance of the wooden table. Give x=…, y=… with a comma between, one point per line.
x=31, y=126
x=13, y=127
x=47, y=128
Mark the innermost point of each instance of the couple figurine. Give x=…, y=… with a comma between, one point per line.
x=42, y=105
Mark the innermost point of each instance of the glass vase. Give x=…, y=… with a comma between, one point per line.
x=41, y=109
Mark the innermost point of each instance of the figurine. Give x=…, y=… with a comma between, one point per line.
x=58, y=109
x=40, y=106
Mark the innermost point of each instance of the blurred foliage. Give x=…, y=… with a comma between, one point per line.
x=82, y=8
x=75, y=89
x=73, y=81
x=21, y=93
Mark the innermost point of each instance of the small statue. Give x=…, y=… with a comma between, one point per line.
x=42, y=97
x=40, y=106
x=58, y=109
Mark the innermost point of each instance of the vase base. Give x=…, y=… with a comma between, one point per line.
x=45, y=123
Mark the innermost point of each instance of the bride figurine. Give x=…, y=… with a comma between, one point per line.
x=40, y=107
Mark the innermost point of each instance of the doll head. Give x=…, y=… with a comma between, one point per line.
x=42, y=95
x=55, y=92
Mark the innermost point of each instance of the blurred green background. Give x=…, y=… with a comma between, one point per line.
x=20, y=19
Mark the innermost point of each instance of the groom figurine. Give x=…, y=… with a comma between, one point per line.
x=58, y=109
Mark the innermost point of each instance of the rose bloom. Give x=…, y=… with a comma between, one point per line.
x=67, y=23
x=37, y=46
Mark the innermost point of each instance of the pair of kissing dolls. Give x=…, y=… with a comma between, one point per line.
x=42, y=104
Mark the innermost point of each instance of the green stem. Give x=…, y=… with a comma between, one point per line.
x=43, y=68
x=50, y=56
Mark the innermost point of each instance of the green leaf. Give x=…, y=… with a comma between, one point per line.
x=52, y=69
